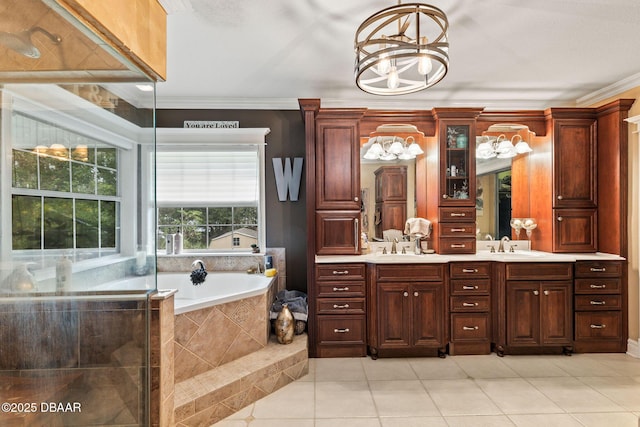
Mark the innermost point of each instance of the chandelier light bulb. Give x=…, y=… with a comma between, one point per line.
x=424, y=63
x=393, y=80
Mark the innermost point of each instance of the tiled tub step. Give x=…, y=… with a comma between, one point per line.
x=213, y=395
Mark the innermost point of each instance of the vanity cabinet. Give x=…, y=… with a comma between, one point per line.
x=599, y=323
x=408, y=309
x=337, y=183
x=451, y=204
x=538, y=308
x=470, y=307
x=340, y=306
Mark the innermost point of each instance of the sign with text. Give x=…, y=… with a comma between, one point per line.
x=217, y=124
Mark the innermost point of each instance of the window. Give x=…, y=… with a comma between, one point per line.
x=64, y=189
x=212, y=190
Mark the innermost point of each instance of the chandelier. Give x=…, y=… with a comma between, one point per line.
x=501, y=147
x=402, y=49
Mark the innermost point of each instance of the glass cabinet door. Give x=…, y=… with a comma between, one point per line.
x=458, y=168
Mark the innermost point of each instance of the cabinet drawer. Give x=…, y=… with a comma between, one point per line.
x=469, y=270
x=470, y=287
x=410, y=272
x=471, y=303
x=598, y=302
x=597, y=286
x=340, y=289
x=598, y=269
x=448, y=229
x=598, y=325
x=460, y=245
x=469, y=327
x=346, y=329
x=332, y=272
x=539, y=271
x=457, y=214
x=340, y=306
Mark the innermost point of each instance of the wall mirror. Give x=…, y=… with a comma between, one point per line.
x=502, y=182
x=388, y=178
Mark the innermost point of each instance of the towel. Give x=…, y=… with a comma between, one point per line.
x=418, y=226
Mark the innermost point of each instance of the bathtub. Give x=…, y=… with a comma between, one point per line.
x=220, y=287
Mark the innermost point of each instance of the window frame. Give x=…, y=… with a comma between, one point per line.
x=172, y=139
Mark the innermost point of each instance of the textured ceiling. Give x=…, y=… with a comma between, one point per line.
x=504, y=54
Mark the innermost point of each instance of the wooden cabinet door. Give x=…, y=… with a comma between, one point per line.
x=556, y=324
x=428, y=302
x=575, y=230
x=394, y=309
x=575, y=163
x=457, y=162
x=523, y=313
x=337, y=164
x=337, y=232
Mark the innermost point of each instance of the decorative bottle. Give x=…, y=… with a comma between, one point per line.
x=285, y=325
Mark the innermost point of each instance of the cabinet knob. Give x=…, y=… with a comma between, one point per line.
x=546, y=292
x=559, y=197
x=445, y=196
x=560, y=219
x=536, y=292
x=458, y=230
x=415, y=294
x=356, y=199
x=598, y=269
x=406, y=294
x=457, y=245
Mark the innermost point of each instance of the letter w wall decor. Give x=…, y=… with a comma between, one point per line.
x=288, y=178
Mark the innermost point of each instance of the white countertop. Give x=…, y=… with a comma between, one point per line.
x=518, y=256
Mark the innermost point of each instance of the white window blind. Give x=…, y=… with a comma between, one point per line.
x=219, y=176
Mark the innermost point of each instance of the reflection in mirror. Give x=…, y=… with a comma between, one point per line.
x=501, y=178
x=388, y=186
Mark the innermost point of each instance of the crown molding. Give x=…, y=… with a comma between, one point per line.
x=612, y=90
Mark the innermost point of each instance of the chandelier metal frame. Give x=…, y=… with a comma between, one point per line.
x=395, y=46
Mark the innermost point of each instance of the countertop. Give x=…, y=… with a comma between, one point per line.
x=518, y=256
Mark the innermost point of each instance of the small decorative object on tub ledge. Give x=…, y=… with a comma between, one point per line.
x=297, y=304
x=284, y=325
x=255, y=248
x=199, y=274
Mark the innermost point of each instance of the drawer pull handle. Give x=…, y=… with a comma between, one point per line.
x=346, y=288
x=458, y=230
x=339, y=273
x=597, y=286
x=458, y=245
x=341, y=306
x=469, y=304
x=341, y=331
x=458, y=214
x=536, y=292
x=597, y=302
x=598, y=326
x=598, y=269
x=470, y=328
x=469, y=270
x=469, y=287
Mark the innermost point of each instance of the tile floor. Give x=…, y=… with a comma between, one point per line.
x=591, y=390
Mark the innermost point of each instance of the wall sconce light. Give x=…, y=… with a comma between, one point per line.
x=501, y=147
x=391, y=148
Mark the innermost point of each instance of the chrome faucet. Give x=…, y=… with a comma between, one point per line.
x=198, y=274
x=501, y=247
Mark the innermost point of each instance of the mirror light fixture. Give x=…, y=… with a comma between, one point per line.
x=501, y=147
x=391, y=148
x=402, y=49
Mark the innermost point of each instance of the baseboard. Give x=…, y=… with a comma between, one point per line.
x=633, y=348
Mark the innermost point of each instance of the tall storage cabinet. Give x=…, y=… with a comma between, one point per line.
x=337, y=201
x=451, y=203
x=391, y=198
